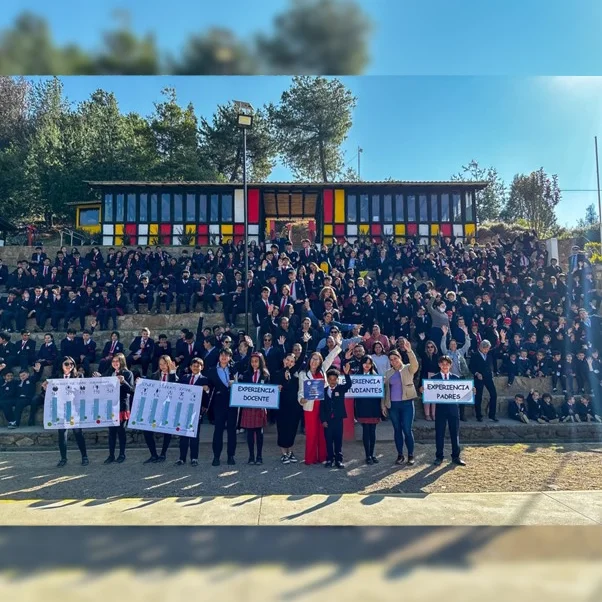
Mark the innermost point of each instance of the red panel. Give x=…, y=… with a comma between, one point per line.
x=130, y=229
x=202, y=240
x=311, y=226
x=165, y=229
x=253, y=198
x=238, y=238
x=166, y=240
x=446, y=230
x=239, y=229
x=328, y=206
x=412, y=229
x=339, y=230
x=375, y=229
x=203, y=229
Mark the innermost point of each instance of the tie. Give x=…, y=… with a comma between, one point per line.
x=307, y=252
x=266, y=304
x=113, y=347
x=163, y=377
x=255, y=377
x=282, y=303
x=190, y=349
x=192, y=380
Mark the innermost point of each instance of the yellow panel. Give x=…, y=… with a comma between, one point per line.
x=469, y=230
x=153, y=229
x=118, y=228
x=118, y=241
x=400, y=229
x=190, y=229
x=227, y=229
x=364, y=228
x=434, y=229
x=327, y=240
x=339, y=206
x=328, y=229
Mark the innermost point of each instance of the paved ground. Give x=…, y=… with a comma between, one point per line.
x=491, y=468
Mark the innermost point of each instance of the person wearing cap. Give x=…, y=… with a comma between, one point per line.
x=184, y=289
x=447, y=416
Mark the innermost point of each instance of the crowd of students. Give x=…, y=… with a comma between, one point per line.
x=499, y=308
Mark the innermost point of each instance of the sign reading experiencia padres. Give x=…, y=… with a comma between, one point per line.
x=252, y=395
x=448, y=391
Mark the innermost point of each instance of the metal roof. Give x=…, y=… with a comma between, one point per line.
x=408, y=183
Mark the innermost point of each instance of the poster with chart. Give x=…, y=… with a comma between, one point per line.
x=81, y=403
x=165, y=407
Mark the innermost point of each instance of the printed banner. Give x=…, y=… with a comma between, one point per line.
x=81, y=403
x=165, y=407
x=251, y=395
x=313, y=389
x=365, y=385
x=448, y=391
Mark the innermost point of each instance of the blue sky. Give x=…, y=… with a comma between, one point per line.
x=417, y=37
x=418, y=128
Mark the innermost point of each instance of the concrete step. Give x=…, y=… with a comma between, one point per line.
x=504, y=431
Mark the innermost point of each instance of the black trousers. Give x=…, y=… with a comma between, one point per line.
x=287, y=422
x=334, y=440
x=480, y=386
x=255, y=435
x=79, y=439
x=225, y=419
x=369, y=439
x=447, y=416
x=36, y=402
x=117, y=432
x=149, y=439
x=7, y=406
x=193, y=443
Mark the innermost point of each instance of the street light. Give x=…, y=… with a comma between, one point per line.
x=245, y=121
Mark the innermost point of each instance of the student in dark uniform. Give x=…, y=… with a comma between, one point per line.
x=332, y=414
x=196, y=379
x=368, y=412
x=165, y=373
x=447, y=415
x=68, y=370
x=126, y=393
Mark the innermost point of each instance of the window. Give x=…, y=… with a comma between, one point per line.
x=424, y=217
x=227, y=208
x=190, y=208
x=434, y=208
x=445, y=207
x=131, y=208
x=388, y=208
x=154, y=208
x=89, y=217
x=411, y=208
x=108, y=211
x=364, y=208
x=214, y=208
x=165, y=207
x=399, y=212
x=351, y=208
x=376, y=208
x=120, y=208
x=203, y=208
x=143, y=217
x=457, y=208
x=470, y=213
x=178, y=208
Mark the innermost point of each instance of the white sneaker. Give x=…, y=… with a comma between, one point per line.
x=292, y=458
x=285, y=459
x=12, y=425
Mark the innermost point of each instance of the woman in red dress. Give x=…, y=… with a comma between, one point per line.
x=253, y=420
x=315, y=443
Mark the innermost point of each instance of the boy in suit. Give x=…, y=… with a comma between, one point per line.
x=447, y=415
x=332, y=413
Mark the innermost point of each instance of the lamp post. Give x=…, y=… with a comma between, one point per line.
x=244, y=120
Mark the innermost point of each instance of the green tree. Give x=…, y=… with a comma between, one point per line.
x=221, y=145
x=491, y=200
x=310, y=123
x=328, y=37
x=534, y=198
x=590, y=219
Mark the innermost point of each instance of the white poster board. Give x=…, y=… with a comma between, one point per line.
x=164, y=407
x=365, y=385
x=448, y=391
x=81, y=403
x=251, y=395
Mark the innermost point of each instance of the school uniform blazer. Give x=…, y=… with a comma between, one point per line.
x=333, y=408
x=306, y=375
x=172, y=377
x=407, y=372
x=126, y=388
x=453, y=409
x=201, y=381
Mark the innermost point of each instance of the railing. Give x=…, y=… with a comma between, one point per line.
x=73, y=235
